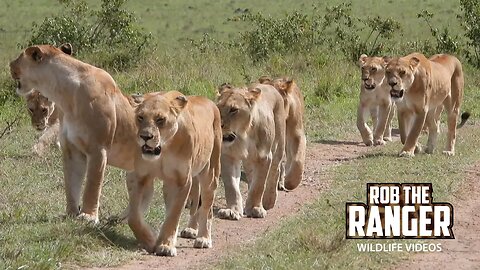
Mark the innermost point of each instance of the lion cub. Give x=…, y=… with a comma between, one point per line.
x=179, y=141
x=374, y=100
x=44, y=116
x=253, y=125
x=296, y=141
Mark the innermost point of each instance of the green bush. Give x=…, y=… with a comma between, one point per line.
x=445, y=43
x=291, y=34
x=109, y=36
x=470, y=21
x=354, y=36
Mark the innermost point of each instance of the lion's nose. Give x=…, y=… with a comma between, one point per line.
x=392, y=83
x=146, y=137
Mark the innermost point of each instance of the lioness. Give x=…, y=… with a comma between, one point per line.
x=253, y=125
x=295, y=140
x=374, y=99
x=44, y=117
x=179, y=141
x=421, y=86
x=98, y=121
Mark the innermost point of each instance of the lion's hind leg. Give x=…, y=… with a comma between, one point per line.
x=453, y=109
x=432, y=122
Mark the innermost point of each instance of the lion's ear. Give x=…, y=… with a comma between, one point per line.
x=179, y=103
x=362, y=60
x=35, y=53
x=224, y=87
x=414, y=62
x=136, y=99
x=66, y=48
x=289, y=85
x=386, y=59
x=265, y=80
x=253, y=94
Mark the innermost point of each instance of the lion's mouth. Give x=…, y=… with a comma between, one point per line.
x=147, y=150
x=397, y=93
x=229, y=138
x=369, y=86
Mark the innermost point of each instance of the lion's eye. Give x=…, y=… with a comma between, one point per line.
x=233, y=110
x=402, y=72
x=140, y=118
x=160, y=120
x=44, y=111
x=374, y=69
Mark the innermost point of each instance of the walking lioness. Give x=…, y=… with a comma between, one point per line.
x=253, y=125
x=421, y=86
x=374, y=100
x=98, y=120
x=179, y=141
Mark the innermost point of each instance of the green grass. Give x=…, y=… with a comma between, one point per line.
x=33, y=232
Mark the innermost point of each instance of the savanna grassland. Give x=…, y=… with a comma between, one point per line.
x=194, y=46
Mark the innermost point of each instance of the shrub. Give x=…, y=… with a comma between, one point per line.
x=111, y=29
x=291, y=34
x=347, y=33
x=445, y=43
x=470, y=22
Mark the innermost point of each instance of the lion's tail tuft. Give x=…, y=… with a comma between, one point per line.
x=464, y=117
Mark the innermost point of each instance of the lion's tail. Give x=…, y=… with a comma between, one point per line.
x=464, y=117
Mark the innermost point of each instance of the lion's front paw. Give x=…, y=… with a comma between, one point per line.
x=449, y=153
x=88, y=218
x=379, y=142
x=418, y=148
x=164, y=250
x=229, y=214
x=189, y=233
x=406, y=154
x=202, y=242
x=269, y=200
x=388, y=138
x=256, y=212
x=368, y=142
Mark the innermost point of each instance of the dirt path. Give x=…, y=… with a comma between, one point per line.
x=463, y=252
x=229, y=235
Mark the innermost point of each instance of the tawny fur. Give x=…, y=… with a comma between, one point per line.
x=186, y=133
x=374, y=100
x=295, y=139
x=253, y=125
x=420, y=87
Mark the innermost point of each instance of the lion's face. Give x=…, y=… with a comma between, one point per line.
x=156, y=119
x=24, y=68
x=235, y=105
x=40, y=109
x=400, y=74
x=373, y=71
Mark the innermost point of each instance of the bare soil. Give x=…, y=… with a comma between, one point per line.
x=463, y=252
x=229, y=235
